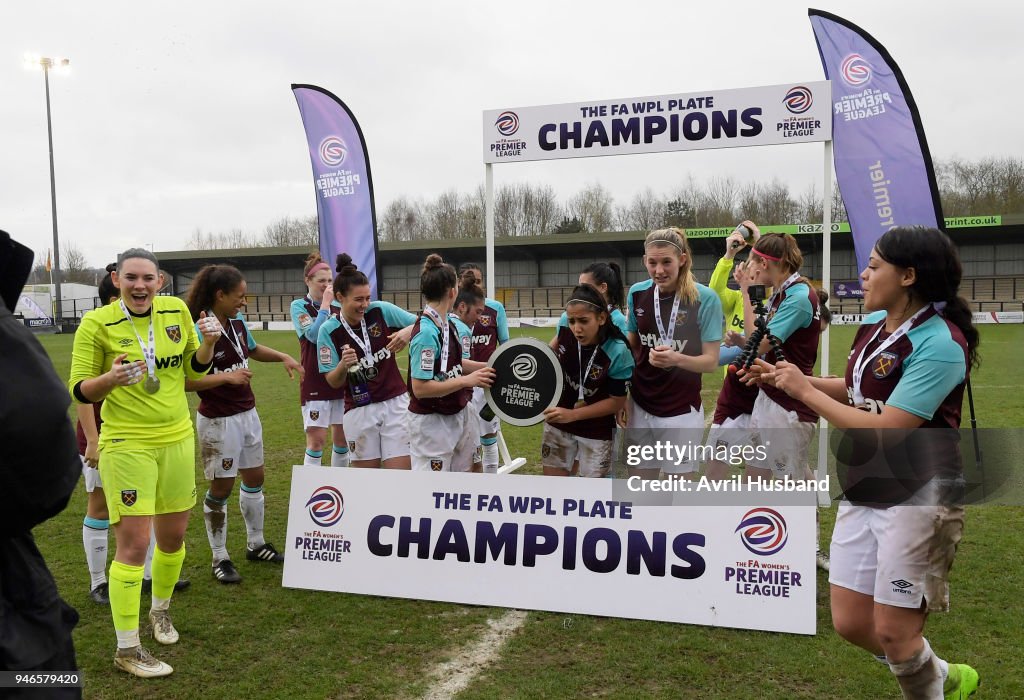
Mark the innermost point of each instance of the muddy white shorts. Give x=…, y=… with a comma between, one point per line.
x=442, y=443
x=230, y=443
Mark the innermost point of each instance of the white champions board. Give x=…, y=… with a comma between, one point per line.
x=542, y=543
x=757, y=116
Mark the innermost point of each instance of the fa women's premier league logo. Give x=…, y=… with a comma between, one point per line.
x=528, y=381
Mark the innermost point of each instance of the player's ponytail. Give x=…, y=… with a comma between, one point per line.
x=470, y=293
x=107, y=290
x=609, y=274
x=314, y=263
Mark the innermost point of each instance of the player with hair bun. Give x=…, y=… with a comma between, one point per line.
x=323, y=406
x=356, y=351
x=440, y=381
x=597, y=366
x=468, y=305
x=675, y=328
x=897, y=530
x=489, y=331
x=229, y=428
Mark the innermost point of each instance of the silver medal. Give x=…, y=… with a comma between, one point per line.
x=152, y=384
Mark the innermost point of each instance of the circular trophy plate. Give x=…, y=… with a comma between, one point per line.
x=528, y=381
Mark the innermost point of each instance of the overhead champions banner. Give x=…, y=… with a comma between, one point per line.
x=775, y=114
x=341, y=176
x=883, y=166
x=539, y=543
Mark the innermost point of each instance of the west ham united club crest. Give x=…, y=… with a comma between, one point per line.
x=483, y=320
x=436, y=465
x=374, y=330
x=884, y=364
x=129, y=496
x=174, y=333
x=226, y=463
x=314, y=415
x=595, y=372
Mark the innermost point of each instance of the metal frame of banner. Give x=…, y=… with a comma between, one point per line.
x=824, y=499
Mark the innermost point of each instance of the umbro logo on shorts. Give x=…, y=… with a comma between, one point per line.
x=901, y=585
x=129, y=496
x=436, y=465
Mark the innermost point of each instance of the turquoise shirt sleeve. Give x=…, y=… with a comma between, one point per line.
x=794, y=313
x=630, y=313
x=709, y=315
x=930, y=372
x=394, y=316
x=326, y=354
x=423, y=350
x=502, y=320
x=563, y=320
x=248, y=334
x=621, y=360
x=306, y=325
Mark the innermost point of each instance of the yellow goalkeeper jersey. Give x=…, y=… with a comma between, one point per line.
x=129, y=412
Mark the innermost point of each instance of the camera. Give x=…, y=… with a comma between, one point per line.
x=757, y=292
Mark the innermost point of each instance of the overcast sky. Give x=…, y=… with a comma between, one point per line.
x=179, y=115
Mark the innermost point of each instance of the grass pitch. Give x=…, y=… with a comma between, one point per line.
x=259, y=640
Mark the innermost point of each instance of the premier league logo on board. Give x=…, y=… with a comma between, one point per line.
x=507, y=123
x=506, y=145
x=855, y=70
x=333, y=151
x=528, y=381
x=798, y=100
x=763, y=531
x=326, y=506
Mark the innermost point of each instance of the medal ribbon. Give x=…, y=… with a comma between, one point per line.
x=148, y=351
x=236, y=342
x=445, y=333
x=667, y=334
x=862, y=359
x=586, y=373
x=363, y=344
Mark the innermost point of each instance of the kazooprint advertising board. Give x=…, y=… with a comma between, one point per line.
x=758, y=116
x=563, y=545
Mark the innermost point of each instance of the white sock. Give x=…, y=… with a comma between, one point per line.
x=94, y=540
x=127, y=639
x=920, y=677
x=159, y=603
x=313, y=458
x=216, y=518
x=339, y=456
x=147, y=568
x=490, y=456
x=251, y=504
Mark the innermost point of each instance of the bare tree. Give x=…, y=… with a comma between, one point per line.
x=289, y=232
x=593, y=207
x=645, y=213
x=74, y=268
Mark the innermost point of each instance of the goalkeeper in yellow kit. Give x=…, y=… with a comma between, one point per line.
x=135, y=354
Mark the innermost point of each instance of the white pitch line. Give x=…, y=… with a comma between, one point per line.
x=452, y=677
